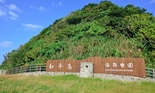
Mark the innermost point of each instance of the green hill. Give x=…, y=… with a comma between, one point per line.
x=103, y=29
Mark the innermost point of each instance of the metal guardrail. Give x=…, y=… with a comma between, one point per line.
x=150, y=72
x=24, y=69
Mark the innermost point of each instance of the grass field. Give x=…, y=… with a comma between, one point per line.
x=70, y=84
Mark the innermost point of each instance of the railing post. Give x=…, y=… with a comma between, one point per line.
x=16, y=72
x=36, y=68
x=30, y=68
x=153, y=74
x=20, y=69
x=40, y=67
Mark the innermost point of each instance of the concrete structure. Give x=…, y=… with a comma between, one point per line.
x=102, y=76
x=86, y=69
x=2, y=72
x=153, y=73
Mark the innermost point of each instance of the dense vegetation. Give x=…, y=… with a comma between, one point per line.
x=103, y=29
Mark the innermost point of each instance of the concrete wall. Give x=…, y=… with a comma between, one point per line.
x=2, y=72
x=102, y=76
x=86, y=69
x=154, y=74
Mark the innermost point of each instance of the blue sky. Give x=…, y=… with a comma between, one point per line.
x=20, y=20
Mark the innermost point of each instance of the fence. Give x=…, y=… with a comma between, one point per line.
x=118, y=66
x=23, y=69
x=150, y=73
x=34, y=68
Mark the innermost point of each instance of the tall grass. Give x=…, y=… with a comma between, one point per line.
x=99, y=46
x=70, y=84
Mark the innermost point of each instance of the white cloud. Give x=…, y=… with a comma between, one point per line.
x=153, y=1
x=31, y=6
x=14, y=7
x=53, y=3
x=2, y=1
x=5, y=44
x=32, y=26
x=9, y=10
x=60, y=3
x=57, y=4
x=39, y=8
x=2, y=13
x=13, y=16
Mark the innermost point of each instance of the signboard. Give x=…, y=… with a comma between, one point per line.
x=62, y=66
x=117, y=66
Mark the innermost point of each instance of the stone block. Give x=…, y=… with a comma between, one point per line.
x=2, y=72
x=86, y=69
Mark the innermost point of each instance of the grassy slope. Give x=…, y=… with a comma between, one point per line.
x=70, y=84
